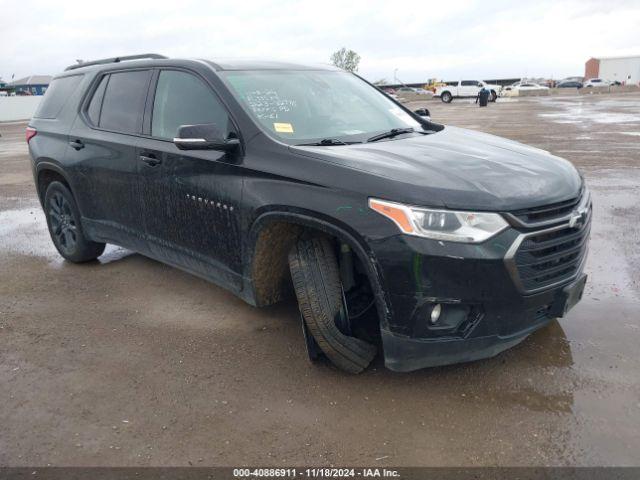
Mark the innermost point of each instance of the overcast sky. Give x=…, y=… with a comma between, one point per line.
x=422, y=39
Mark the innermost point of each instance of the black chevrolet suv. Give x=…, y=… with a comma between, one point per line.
x=431, y=243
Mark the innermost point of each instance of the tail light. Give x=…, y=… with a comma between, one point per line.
x=30, y=133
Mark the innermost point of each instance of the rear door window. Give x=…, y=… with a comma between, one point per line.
x=123, y=103
x=183, y=99
x=95, y=106
x=56, y=96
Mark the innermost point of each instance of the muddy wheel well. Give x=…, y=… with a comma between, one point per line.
x=270, y=265
x=45, y=177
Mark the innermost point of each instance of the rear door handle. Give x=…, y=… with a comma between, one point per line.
x=77, y=144
x=151, y=161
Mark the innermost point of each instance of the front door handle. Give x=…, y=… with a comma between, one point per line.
x=151, y=161
x=76, y=144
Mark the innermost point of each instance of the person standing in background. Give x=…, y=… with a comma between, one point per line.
x=483, y=96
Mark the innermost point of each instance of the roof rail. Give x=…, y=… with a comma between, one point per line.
x=104, y=61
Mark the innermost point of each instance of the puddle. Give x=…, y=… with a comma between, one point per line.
x=582, y=112
x=113, y=253
x=613, y=257
x=616, y=118
x=578, y=151
x=24, y=231
x=12, y=149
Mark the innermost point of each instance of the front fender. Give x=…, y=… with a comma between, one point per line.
x=320, y=222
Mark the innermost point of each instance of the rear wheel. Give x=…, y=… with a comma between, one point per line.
x=446, y=97
x=316, y=280
x=63, y=220
x=493, y=96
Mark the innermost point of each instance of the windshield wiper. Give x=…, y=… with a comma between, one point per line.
x=390, y=134
x=325, y=142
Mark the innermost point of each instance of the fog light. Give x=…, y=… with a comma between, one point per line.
x=435, y=313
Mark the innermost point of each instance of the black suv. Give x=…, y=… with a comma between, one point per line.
x=436, y=244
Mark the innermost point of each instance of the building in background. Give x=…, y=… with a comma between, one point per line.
x=625, y=70
x=33, y=85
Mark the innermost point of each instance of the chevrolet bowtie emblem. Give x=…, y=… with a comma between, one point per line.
x=577, y=217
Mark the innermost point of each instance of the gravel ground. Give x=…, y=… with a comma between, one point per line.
x=129, y=362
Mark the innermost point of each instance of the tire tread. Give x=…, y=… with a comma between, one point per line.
x=316, y=281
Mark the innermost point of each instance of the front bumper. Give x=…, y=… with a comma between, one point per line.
x=407, y=354
x=475, y=281
x=403, y=353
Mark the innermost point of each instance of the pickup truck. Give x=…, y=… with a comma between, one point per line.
x=465, y=88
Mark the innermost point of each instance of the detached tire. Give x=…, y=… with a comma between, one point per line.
x=316, y=280
x=65, y=227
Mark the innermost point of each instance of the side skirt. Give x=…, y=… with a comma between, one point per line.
x=187, y=261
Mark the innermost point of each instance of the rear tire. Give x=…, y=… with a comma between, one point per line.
x=65, y=227
x=316, y=281
x=493, y=96
x=446, y=97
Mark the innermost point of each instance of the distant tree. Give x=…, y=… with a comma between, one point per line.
x=346, y=59
x=382, y=81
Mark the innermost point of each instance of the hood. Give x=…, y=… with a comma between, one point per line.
x=457, y=168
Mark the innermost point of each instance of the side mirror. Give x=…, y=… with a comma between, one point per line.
x=423, y=112
x=206, y=136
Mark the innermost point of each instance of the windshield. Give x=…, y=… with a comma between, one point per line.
x=309, y=106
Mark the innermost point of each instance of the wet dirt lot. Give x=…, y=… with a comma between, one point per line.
x=126, y=361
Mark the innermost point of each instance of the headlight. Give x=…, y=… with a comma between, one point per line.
x=467, y=227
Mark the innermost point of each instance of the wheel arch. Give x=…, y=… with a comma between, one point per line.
x=274, y=233
x=444, y=94
x=47, y=172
